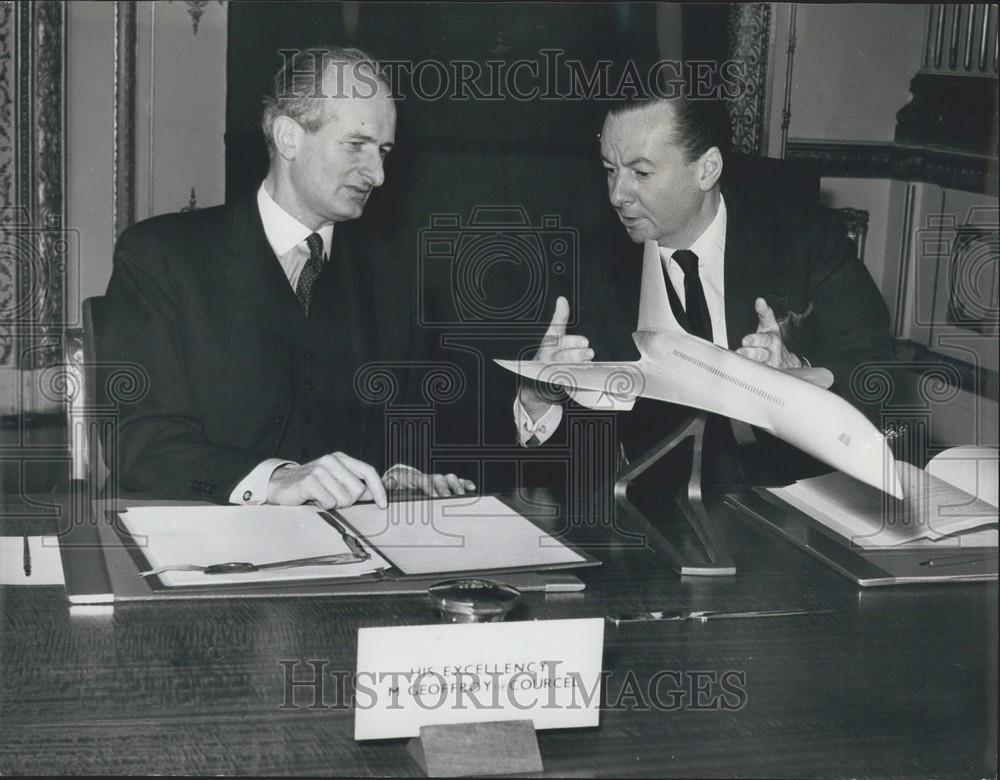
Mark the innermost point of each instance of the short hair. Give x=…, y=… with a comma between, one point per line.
x=297, y=88
x=700, y=124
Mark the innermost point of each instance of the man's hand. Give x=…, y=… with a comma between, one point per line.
x=332, y=482
x=766, y=345
x=556, y=347
x=434, y=485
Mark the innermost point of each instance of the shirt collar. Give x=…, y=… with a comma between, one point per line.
x=284, y=232
x=712, y=241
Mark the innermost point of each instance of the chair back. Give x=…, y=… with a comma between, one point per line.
x=84, y=407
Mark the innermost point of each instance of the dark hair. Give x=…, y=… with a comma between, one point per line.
x=699, y=124
x=297, y=89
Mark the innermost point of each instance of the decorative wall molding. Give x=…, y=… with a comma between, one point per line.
x=954, y=104
x=126, y=41
x=786, y=106
x=196, y=9
x=749, y=39
x=35, y=249
x=903, y=162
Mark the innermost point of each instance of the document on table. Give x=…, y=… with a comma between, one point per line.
x=207, y=535
x=477, y=533
x=936, y=512
x=423, y=537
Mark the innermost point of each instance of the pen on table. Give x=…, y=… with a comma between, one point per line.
x=27, y=558
x=939, y=562
x=702, y=616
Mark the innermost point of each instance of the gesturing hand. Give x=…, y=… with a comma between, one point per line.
x=556, y=347
x=766, y=345
x=434, y=485
x=332, y=481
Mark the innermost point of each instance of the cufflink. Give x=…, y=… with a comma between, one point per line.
x=247, y=495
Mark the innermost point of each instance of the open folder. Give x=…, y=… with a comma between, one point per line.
x=943, y=530
x=190, y=551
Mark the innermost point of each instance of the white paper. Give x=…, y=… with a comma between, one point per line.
x=934, y=514
x=456, y=534
x=206, y=535
x=411, y=676
x=45, y=563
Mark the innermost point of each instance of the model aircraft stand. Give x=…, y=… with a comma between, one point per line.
x=717, y=561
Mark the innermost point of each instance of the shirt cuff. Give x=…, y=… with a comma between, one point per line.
x=531, y=434
x=252, y=489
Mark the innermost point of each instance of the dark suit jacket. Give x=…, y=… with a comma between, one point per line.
x=236, y=372
x=794, y=255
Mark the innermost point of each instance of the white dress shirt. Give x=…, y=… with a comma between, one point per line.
x=710, y=247
x=287, y=237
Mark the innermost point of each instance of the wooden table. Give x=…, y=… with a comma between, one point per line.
x=895, y=682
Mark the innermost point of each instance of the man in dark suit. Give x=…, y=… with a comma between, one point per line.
x=773, y=279
x=250, y=321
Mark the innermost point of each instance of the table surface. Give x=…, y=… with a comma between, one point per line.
x=894, y=682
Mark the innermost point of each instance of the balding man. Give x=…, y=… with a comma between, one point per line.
x=251, y=320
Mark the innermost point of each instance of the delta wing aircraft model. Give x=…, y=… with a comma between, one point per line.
x=677, y=367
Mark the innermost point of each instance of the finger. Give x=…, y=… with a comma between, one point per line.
x=455, y=485
x=468, y=484
x=758, y=354
x=441, y=488
x=572, y=356
x=766, y=321
x=366, y=473
x=426, y=484
x=574, y=342
x=336, y=470
x=559, y=318
x=322, y=488
x=762, y=340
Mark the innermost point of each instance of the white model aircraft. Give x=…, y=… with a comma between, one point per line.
x=679, y=368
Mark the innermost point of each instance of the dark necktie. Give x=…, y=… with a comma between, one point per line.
x=695, y=305
x=310, y=271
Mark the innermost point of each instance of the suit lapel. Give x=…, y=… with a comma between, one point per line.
x=744, y=272
x=255, y=281
x=357, y=299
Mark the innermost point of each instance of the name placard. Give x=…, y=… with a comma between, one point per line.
x=548, y=671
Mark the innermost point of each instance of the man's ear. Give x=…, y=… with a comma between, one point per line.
x=709, y=169
x=287, y=136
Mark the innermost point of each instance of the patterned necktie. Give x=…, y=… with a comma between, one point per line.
x=695, y=305
x=310, y=271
